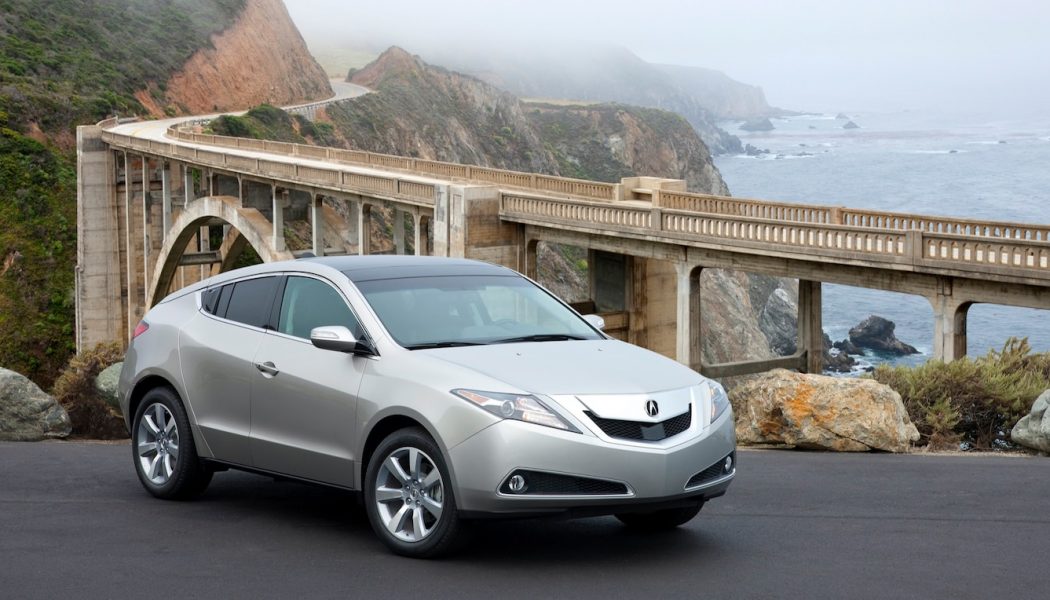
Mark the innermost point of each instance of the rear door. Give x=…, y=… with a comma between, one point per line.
x=304, y=403
x=217, y=349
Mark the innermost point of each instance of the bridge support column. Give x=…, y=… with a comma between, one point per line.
x=688, y=348
x=97, y=292
x=147, y=225
x=317, y=224
x=399, y=231
x=949, y=324
x=420, y=227
x=130, y=274
x=529, y=266
x=279, y=202
x=165, y=198
x=187, y=186
x=810, y=325
x=364, y=229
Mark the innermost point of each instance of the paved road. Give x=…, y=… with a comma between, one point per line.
x=74, y=523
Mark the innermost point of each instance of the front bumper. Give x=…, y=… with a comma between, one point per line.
x=654, y=477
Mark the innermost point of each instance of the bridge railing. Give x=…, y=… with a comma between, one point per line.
x=502, y=177
x=906, y=247
x=416, y=192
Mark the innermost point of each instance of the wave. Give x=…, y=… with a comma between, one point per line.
x=953, y=151
x=988, y=142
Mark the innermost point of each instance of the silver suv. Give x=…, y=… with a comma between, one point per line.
x=443, y=389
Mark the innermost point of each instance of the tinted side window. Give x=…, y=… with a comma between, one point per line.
x=310, y=303
x=210, y=299
x=251, y=301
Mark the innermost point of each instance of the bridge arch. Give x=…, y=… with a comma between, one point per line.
x=251, y=229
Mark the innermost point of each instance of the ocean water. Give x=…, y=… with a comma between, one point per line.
x=986, y=168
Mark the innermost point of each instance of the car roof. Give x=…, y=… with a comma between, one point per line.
x=369, y=268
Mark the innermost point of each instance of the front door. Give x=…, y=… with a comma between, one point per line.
x=304, y=399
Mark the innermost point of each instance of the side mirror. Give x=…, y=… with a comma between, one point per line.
x=596, y=321
x=339, y=338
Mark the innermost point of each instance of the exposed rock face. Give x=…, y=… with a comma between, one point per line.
x=106, y=385
x=429, y=112
x=27, y=414
x=614, y=74
x=851, y=125
x=762, y=124
x=1033, y=430
x=777, y=301
x=636, y=141
x=876, y=333
x=821, y=413
x=261, y=58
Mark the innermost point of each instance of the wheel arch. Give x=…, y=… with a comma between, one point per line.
x=387, y=425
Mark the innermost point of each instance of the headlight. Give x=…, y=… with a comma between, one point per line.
x=719, y=399
x=516, y=406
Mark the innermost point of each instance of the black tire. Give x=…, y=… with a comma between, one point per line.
x=443, y=530
x=660, y=519
x=189, y=477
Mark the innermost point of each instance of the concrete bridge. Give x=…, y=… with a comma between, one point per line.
x=161, y=205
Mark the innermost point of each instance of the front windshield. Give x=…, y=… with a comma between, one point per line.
x=428, y=312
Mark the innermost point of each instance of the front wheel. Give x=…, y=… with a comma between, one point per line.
x=408, y=495
x=660, y=519
x=162, y=445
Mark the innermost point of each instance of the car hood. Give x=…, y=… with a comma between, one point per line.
x=577, y=367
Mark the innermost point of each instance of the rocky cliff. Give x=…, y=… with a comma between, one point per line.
x=422, y=110
x=260, y=58
x=614, y=74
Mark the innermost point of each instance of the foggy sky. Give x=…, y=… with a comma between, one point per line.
x=977, y=56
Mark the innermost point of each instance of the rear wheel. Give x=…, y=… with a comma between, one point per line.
x=162, y=445
x=660, y=519
x=408, y=495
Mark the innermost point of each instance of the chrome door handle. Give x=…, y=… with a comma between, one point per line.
x=267, y=368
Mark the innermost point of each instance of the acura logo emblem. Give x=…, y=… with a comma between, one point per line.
x=652, y=408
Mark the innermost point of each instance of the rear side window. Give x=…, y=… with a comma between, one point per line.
x=210, y=300
x=310, y=303
x=251, y=300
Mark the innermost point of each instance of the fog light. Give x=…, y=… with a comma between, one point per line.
x=729, y=464
x=516, y=484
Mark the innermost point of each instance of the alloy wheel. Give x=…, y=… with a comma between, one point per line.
x=409, y=494
x=158, y=444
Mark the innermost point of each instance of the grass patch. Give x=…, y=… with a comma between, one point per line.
x=972, y=400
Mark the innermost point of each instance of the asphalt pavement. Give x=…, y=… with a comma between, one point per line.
x=75, y=523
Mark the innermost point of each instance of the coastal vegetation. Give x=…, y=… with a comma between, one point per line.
x=971, y=402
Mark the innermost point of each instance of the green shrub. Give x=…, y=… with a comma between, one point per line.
x=75, y=391
x=974, y=400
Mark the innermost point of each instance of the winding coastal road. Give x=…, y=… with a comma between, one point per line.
x=75, y=523
x=157, y=130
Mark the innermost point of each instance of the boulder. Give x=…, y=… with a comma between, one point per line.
x=762, y=124
x=876, y=333
x=1033, y=430
x=106, y=385
x=27, y=414
x=821, y=413
x=850, y=125
x=836, y=361
x=848, y=347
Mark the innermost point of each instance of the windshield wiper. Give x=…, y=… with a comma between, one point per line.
x=541, y=337
x=448, y=344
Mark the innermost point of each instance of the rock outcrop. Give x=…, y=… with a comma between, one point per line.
x=821, y=413
x=876, y=333
x=27, y=414
x=106, y=386
x=262, y=58
x=762, y=124
x=1033, y=430
x=850, y=125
